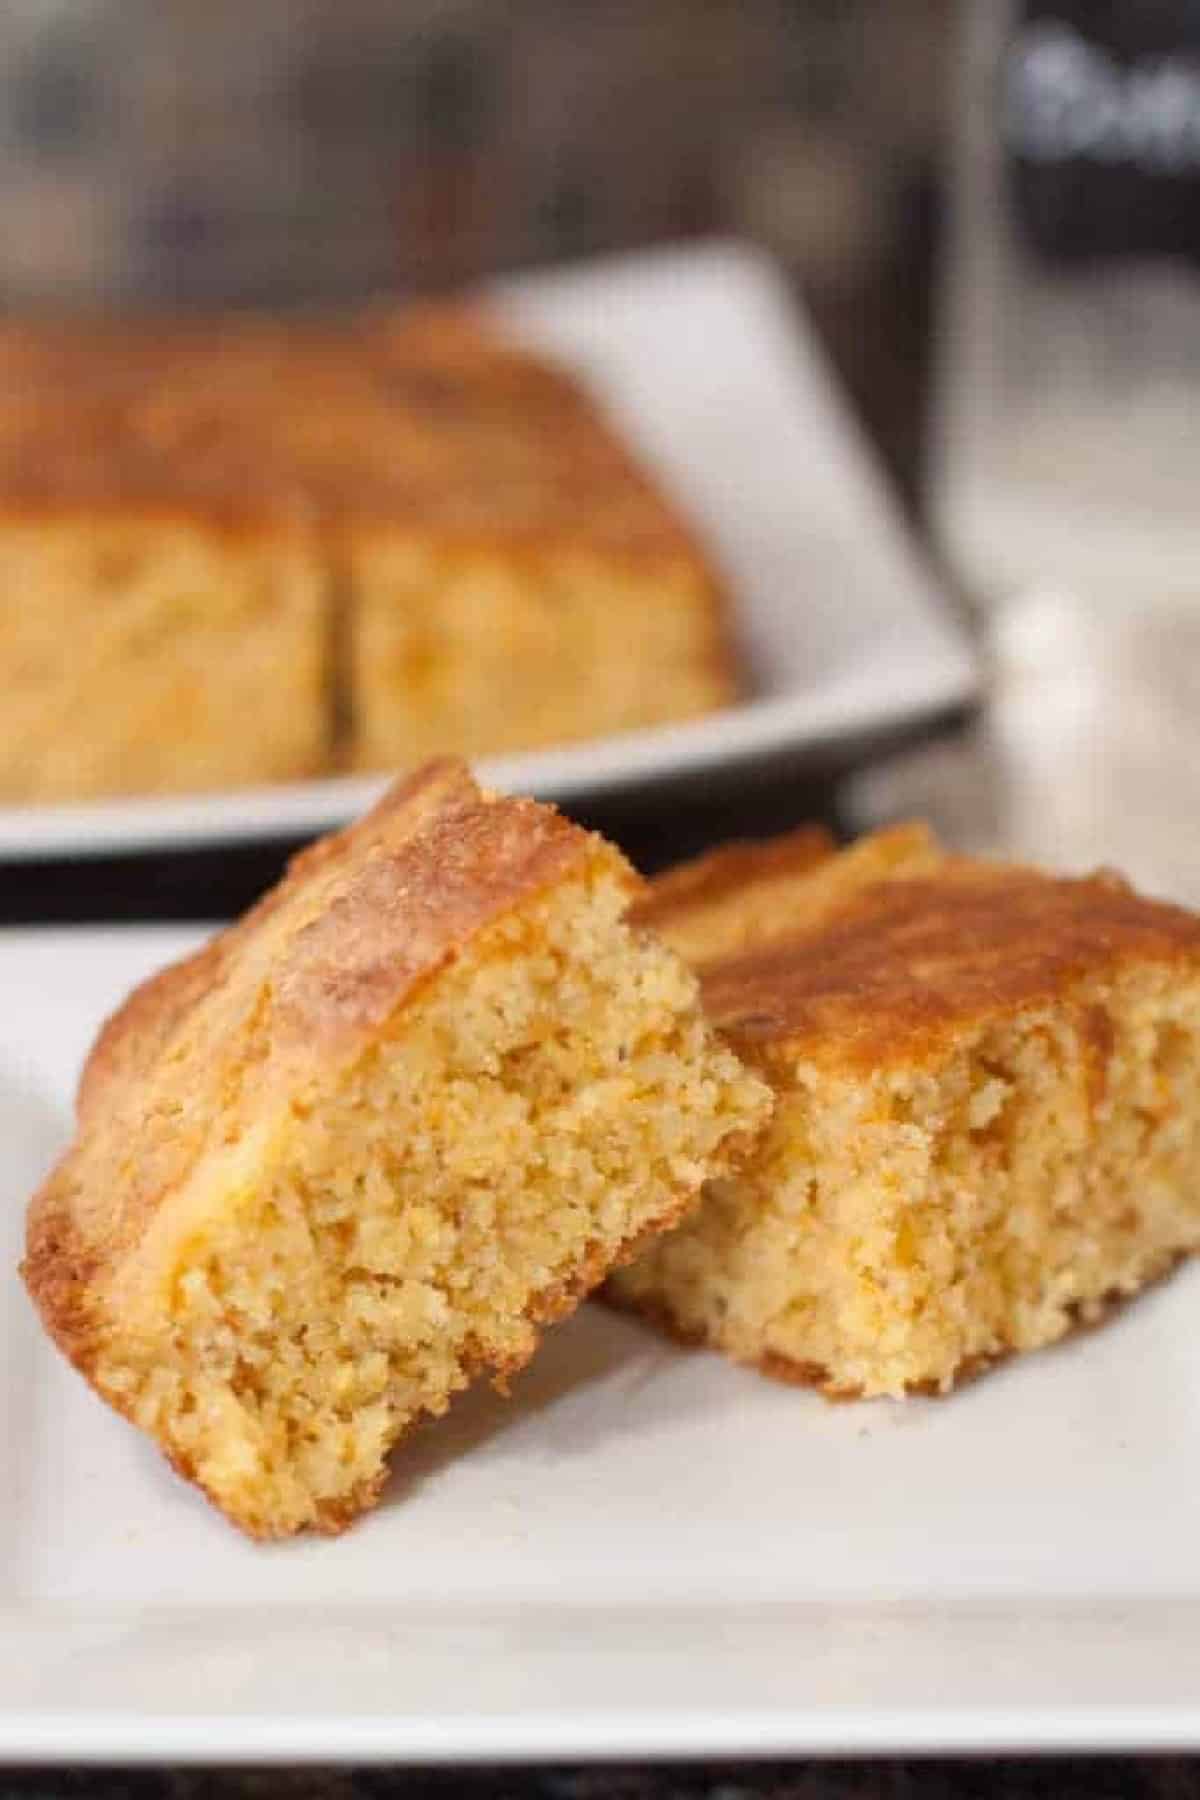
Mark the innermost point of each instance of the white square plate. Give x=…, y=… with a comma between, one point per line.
x=645, y=1552
x=706, y=363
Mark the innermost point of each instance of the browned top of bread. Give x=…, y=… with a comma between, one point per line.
x=729, y=870
x=909, y=963
x=422, y=418
x=278, y=1003
x=742, y=895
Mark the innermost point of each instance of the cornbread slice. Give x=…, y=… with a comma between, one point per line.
x=242, y=550
x=987, y=1121
x=366, y=1142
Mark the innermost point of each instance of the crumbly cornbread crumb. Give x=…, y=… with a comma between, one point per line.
x=158, y=654
x=987, y=1125
x=365, y=1144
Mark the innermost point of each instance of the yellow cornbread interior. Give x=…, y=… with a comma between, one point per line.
x=349, y=1266
x=506, y=652
x=157, y=655
x=898, y=1226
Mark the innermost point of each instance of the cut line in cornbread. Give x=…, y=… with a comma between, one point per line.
x=987, y=1119
x=363, y=1145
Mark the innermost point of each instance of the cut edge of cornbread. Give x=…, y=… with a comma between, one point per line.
x=158, y=653
x=382, y=1196
x=987, y=1129
x=500, y=647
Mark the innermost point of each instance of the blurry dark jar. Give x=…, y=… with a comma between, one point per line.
x=1066, y=450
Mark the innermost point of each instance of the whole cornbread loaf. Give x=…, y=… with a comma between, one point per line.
x=252, y=550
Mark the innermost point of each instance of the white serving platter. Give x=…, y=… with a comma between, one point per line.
x=645, y=1552
x=704, y=359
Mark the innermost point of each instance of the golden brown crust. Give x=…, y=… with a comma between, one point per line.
x=422, y=419
x=791, y=1373
x=910, y=962
x=743, y=896
x=721, y=873
x=130, y=1040
x=274, y=1005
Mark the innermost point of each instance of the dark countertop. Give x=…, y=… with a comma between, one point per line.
x=1066, y=1778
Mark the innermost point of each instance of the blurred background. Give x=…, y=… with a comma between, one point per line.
x=990, y=211
x=193, y=151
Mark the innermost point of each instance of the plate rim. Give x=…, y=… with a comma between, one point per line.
x=849, y=1653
